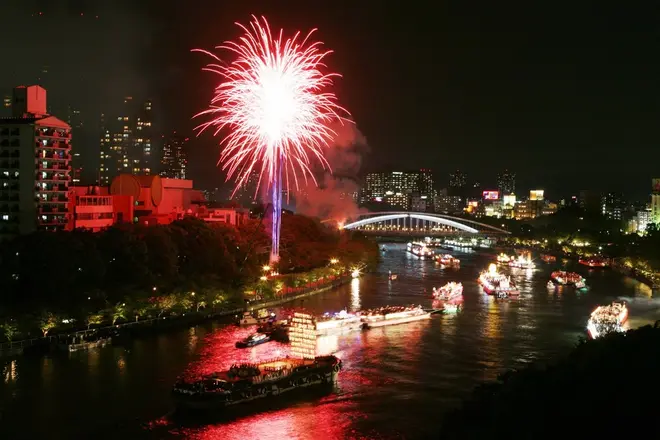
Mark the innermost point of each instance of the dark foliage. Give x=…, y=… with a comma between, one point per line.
x=603, y=389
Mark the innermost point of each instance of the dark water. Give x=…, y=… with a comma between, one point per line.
x=397, y=381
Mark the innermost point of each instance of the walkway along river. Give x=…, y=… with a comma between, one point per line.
x=396, y=383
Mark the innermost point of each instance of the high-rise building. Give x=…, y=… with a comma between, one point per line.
x=398, y=188
x=612, y=205
x=247, y=194
x=655, y=201
x=126, y=142
x=35, y=155
x=506, y=182
x=175, y=157
x=458, y=184
x=76, y=123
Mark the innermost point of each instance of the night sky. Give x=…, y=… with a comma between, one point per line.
x=563, y=94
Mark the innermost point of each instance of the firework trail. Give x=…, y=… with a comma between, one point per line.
x=273, y=101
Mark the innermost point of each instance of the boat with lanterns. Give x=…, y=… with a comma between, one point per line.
x=447, y=260
x=607, y=319
x=497, y=284
x=524, y=261
x=503, y=258
x=419, y=249
x=548, y=258
x=262, y=316
x=336, y=323
x=449, y=292
x=564, y=278
x=392, y=315
x=451, y=308
x=247, y=382
x=594, y=262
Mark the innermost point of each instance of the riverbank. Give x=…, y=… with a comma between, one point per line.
x=170, y=322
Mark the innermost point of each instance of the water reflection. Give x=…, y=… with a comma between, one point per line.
x=10, y=372
x=356, y=304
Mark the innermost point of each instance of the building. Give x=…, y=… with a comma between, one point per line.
x=590, y=201
x=612, y=205
x=95, y=209
x=247, y=194
x=126, y=142
x=457, y=184
x=506, y=182
x=175, y=157
x=398, y=188
x=6, y=104
x=76, y=123
x=35, y=166
x=231, y=216
x=655, y=201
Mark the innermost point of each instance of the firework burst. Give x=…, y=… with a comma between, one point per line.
x=274, y=102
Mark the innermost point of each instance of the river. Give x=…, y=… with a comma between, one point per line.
x=397, y=381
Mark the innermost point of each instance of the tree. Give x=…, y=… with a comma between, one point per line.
x=9, y=329
x=93, y=319
x=165, y=303
x=47, y=322
x=118, y=311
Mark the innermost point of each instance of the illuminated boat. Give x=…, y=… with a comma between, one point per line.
x=564, y=278
x=497, y=284
x=420, y=250
x=392, y=315
x=253, y=339
x=391, y=276
x=607, y=319
x=522, y=262
x=504, y=258
x=335, y=323
x=452, y=308
x=248, y=382
x=594, y=262
x=548, y=258
x=449, y=292
x=261, y=317
x=447, y=260
x=551, y=285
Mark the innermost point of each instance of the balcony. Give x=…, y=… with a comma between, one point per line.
x=52, y=188
x=53, y=156
x=52, y=146
x=51, y=166
x=52, y=133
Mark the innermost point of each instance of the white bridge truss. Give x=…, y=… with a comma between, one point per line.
x=418, y=220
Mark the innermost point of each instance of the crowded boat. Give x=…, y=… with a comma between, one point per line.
x=448, y=292
x=503, y=258
x=524, y=261
x=447, y=260
x=564, y=278
x=391, y=315
x=497, y=284
x=607, y=319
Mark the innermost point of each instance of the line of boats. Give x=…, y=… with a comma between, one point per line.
x=522, y=261
x=423, y=251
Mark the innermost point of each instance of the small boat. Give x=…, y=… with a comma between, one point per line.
x=249, y=318
x=452, y=308
x=448, y=260
x=607, y=319
x=497, y=284
x=253, y=339
x=504, y=258
x=522, y=262
x=391, y=276
x=420, y=250
x=568, y=279
x=551, y=285
x=594, y=262
x=548, y=258
x=448, y=292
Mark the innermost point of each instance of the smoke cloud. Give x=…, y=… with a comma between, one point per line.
x=335, y=197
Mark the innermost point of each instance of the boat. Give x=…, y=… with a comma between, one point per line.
x=391, y=276
x=548, y=258
x=524, y=261
x=568, y=279
x=452, y=308
x=247, y=382
x=551, y=285
x=335, y=323
x=253, y=339
x=497, y=284
x=607, y=319
x=391, y=315
x=503, y=258
x=249, y=318
x=84, y=345
x=448, y=292
x=594, y=262
x=447, y=260
x=420, y=250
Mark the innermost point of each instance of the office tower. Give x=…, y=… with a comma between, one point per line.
x=76, y=123
x=506, y=182
x=35, y=155
x=175, y=157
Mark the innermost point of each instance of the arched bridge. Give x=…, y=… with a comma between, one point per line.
x=420, y=223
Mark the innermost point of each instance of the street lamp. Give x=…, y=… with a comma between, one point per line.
x=266, y=268
x=334, y=261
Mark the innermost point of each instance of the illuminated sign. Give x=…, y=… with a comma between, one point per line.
x=536, y=194
x=509, y=199
x=491, y=195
